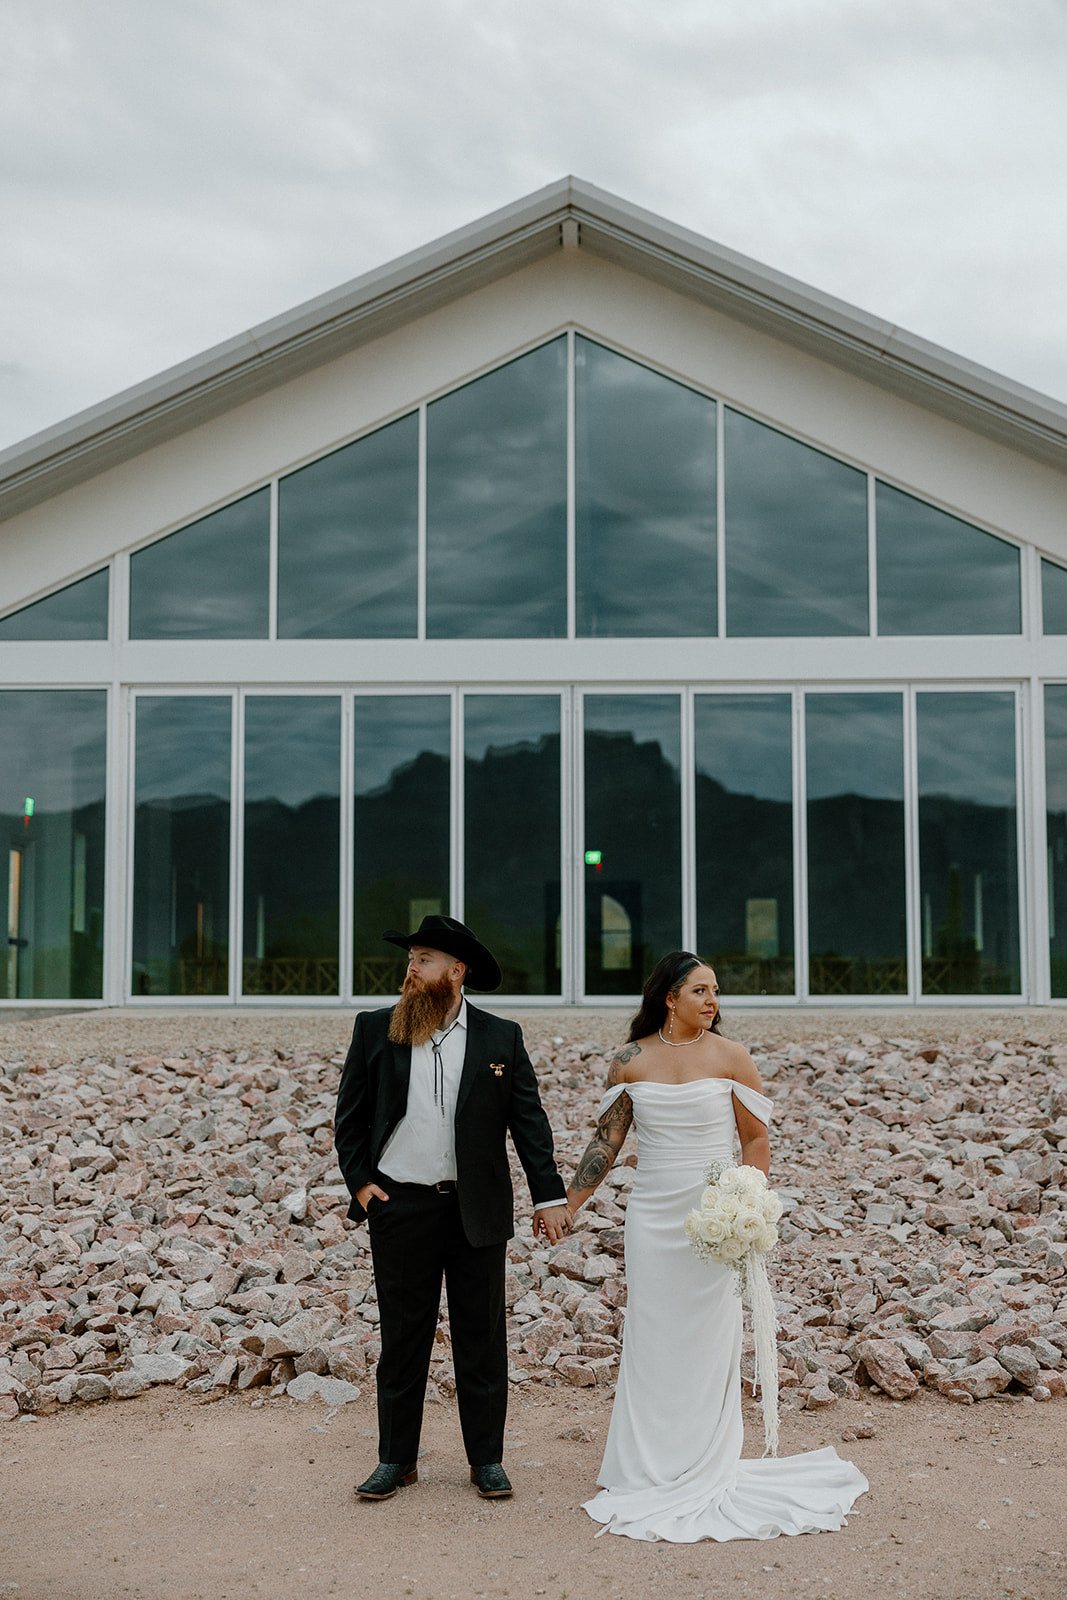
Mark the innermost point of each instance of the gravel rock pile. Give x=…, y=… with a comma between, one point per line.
x=181, y=1219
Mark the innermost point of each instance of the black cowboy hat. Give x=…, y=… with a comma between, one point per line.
x=445, y=933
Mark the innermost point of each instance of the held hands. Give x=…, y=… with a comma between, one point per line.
x=554, y=1222
x=363, y=1195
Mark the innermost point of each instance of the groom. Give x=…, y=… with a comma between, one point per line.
x=429, y=1092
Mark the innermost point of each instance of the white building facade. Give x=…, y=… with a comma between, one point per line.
x=575, y=576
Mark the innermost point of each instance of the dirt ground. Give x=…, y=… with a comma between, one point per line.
x=171, y=1496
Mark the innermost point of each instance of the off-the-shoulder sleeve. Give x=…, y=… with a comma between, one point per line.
x=752, y=1100
x=610, y=1098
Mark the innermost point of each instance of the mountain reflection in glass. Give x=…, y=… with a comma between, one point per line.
x=857, y=931
x=937, y=574
x=52, y=786
x=292, y=842
x=1056, y=832
x=348, y=529
x=744, y=840
x=181, y=851
x=645, y=501
x=1053, y=598
x=633, y=909
x=796, y=537
x=511, y=793
x=401, y=844
x=210, y=580
x=77, y=612
x=968, y=869
x=496, y=503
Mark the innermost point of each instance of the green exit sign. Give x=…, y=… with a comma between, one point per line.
x=592, y=858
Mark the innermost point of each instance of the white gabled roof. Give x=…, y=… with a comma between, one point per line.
x=565, y=214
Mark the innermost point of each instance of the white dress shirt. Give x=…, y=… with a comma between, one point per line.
x=422, y=1146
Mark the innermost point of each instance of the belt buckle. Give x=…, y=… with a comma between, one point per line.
x=444, y=1187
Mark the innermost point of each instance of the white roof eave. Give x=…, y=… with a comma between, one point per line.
x=328, y=326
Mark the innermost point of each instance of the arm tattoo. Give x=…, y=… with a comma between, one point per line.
x=623, y=1059
x=605, y=1144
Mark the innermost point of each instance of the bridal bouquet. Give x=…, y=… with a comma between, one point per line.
x=735, y=1226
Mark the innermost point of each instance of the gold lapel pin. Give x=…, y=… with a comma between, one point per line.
x=498, y=1068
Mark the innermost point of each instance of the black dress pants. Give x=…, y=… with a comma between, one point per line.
x=417, y=1239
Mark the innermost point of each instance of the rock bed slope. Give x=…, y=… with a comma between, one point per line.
x=180, y=1219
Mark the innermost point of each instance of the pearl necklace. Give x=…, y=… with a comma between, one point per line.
x=679, y=1044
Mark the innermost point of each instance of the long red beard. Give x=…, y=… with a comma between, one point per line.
x=421, y=1010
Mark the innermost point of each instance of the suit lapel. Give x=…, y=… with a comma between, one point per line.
x=400, y=1079
x=474, y=1054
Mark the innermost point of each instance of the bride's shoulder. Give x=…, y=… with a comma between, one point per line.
x=738, y=1064
x=624, y=1066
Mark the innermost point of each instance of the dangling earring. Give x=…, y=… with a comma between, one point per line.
x=670, y=1023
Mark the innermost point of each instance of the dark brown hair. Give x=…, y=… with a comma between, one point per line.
x=666, y=977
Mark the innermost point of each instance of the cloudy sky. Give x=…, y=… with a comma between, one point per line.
x=175, y=170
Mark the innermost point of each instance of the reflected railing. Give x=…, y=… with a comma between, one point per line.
x=857, y=975
x=967, y=974
x=290, y=975
x=774, y=975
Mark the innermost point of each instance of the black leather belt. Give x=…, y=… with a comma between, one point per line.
x=447, y=1186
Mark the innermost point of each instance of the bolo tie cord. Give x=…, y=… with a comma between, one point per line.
x=439, y=1068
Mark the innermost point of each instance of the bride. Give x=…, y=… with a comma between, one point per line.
x=672, y=1465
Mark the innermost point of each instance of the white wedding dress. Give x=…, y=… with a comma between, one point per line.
x=672, y=1464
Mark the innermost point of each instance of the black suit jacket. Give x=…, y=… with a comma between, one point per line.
x=373, y=1098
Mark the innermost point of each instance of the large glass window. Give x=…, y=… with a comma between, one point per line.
x=77, y=612
x=1053, y=597
x=632, y=838
x=857, y=935
x=1056, y=832
x=52, y=777
x=181, y=852
x=645, y=500
x=401, y=849
x=496, y=562
x=937, y=574
x=348, y=530
x=292, y=841
x=210, y=580
x=969, y=886
x=744, y=840
x=512, y=835
x=796, y=536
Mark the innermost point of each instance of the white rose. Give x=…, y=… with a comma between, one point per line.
x=749, y=1225
x=730, y=1178
x=731, y=1249
x=771, y=1206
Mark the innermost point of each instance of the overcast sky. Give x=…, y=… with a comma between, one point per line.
x=172, y=171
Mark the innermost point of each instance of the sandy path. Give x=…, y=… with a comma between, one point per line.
x=166, y=1496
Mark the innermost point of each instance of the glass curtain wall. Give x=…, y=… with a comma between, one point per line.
x=77, y=612
x=633, y=846
x=644, y=501
x=796, y=536
x=937, y=574
x=401, y=845
x=968, y=870
x=181, y=850
x=1056, y=832
x=857, y=897
x=52, y=786
x=292, y=844
x=744, y=839
x=210, y=580
x=348, y=528
x=496, y=503
x=511, y=834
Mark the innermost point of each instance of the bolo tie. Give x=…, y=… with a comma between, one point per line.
x=439, y=1068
